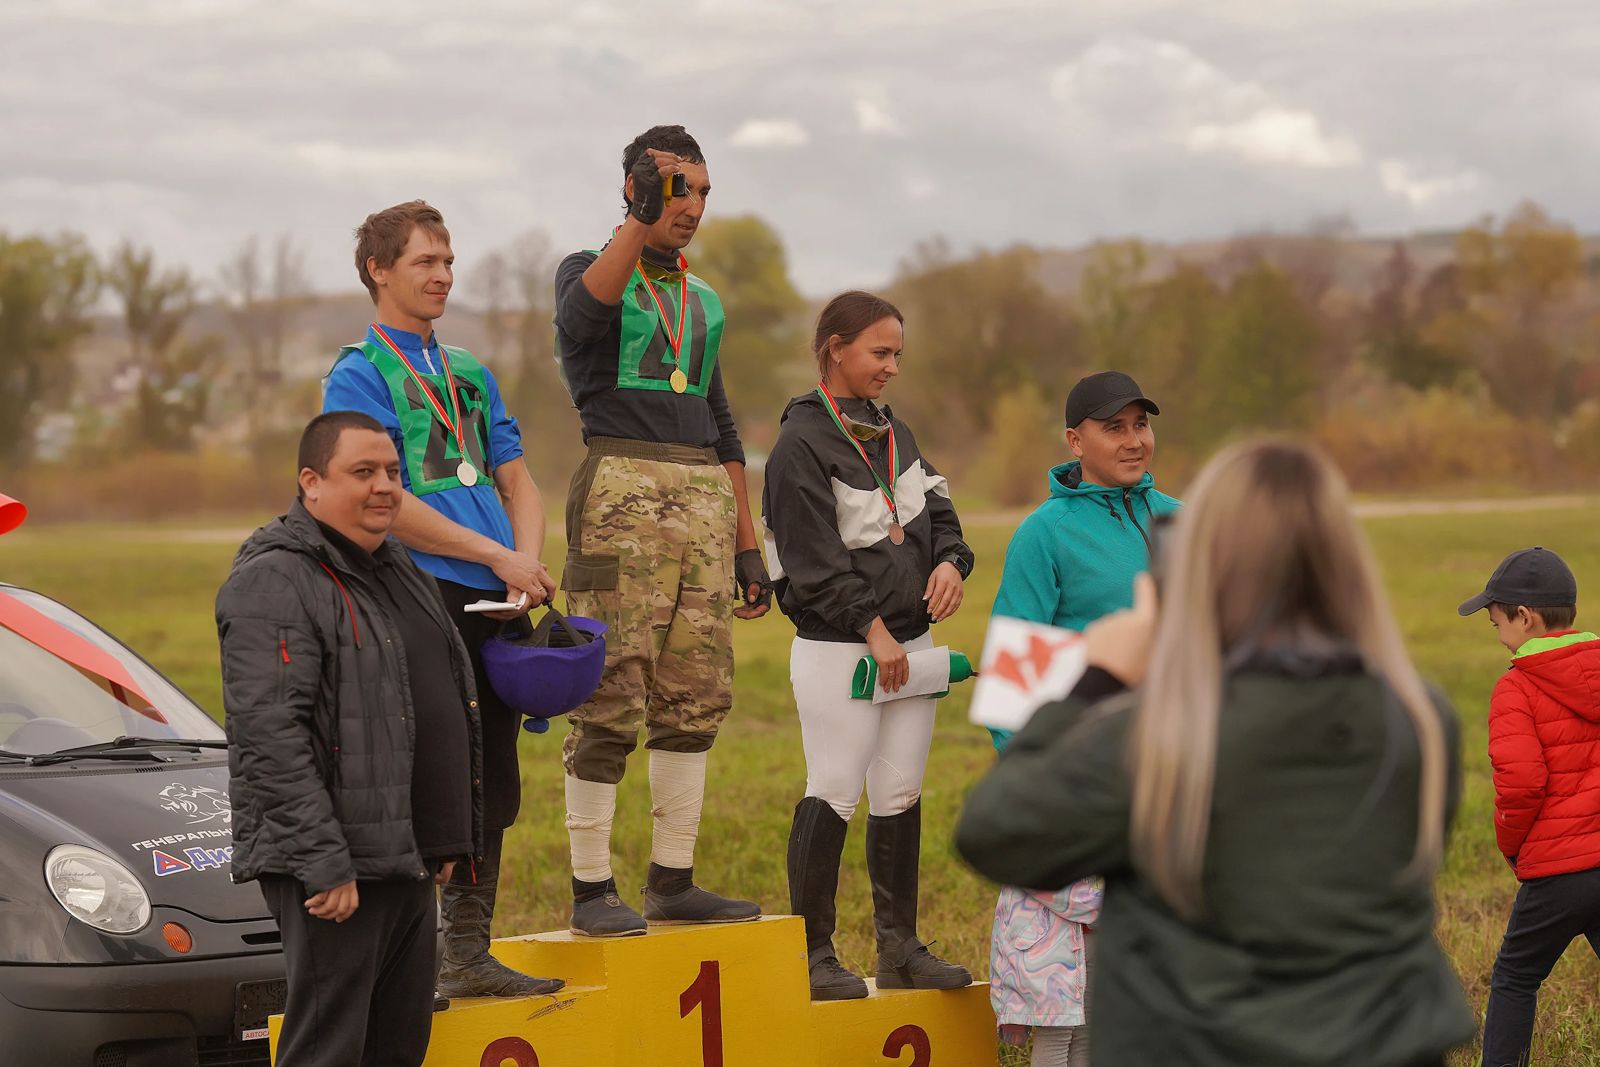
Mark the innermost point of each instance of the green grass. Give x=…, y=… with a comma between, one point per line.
x=157, y=591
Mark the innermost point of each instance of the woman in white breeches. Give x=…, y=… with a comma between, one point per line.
x=848, y=741
x=867, y=554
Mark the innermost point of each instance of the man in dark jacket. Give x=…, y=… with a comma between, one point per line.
x=339, y=666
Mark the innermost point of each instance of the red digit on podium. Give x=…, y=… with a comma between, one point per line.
x=518, y=1051
x=913, y=1037
x=706, y=994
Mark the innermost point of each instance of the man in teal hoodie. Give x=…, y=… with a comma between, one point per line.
x=1071, y=561
x=1074, y=559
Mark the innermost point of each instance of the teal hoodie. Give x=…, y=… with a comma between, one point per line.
x=1074, y=559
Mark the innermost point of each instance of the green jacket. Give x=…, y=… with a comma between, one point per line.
x=1314, y=948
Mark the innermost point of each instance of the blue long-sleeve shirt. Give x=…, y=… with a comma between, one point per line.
x=354, y=384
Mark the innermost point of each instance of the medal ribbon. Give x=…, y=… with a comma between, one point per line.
x=433, y=401
x=676, y=342
x=886, y=488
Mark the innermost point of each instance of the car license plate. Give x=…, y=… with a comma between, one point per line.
x=253, y=1002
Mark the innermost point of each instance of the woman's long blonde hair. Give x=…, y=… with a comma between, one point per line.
x=1266, y=547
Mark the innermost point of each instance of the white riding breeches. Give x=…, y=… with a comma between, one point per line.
x=850, y=741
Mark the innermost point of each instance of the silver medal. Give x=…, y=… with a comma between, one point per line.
x=466, y=473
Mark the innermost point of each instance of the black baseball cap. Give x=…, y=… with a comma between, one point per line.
x=1530, y=577
x=1100, y=396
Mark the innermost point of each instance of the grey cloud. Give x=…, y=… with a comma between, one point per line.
x=194, y=124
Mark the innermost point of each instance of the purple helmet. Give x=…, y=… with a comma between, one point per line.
x=550, y=671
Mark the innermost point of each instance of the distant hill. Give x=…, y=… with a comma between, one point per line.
x=330, y=320
x=1356, y=260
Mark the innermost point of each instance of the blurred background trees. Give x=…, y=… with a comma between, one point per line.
x=1448, y=362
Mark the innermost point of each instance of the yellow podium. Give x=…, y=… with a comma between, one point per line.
x=730, y=995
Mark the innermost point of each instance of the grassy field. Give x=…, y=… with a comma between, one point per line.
x=154, y=587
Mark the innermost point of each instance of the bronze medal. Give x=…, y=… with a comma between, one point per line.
x=679, y=380
x=897, y=533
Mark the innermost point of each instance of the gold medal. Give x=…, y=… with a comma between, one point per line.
x=466, y=473
x=679, y=380
x=897, y=533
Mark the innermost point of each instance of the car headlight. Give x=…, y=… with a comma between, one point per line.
x=96, y=889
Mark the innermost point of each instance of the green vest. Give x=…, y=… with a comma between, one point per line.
x=431, y=453
x=644, y=358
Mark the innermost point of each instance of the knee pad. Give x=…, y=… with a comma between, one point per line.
x=601, y=757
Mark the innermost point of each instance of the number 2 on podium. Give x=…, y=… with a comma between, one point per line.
x=913, y=1037
x=705, y=993
x=518, y=1051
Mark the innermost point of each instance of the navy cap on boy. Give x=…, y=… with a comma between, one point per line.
x=1530, y=577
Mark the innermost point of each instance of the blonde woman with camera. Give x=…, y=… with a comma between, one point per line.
x=1268, y=805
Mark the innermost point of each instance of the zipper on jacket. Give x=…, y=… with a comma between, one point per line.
x=1115, y=514
x=1127, y=502
x=282, y=672
x=349, y=604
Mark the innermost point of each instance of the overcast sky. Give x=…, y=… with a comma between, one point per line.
x=857, y=128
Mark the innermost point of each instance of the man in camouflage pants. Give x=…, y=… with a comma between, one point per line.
x=658, y=528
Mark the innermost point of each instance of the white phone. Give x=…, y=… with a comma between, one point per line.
x=497, y=605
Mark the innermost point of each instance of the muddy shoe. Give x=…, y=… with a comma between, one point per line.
x=606, y=915
x=467, y=969
x=830, y=980
x=914, y=967
x=488, y=977
x=696, y=905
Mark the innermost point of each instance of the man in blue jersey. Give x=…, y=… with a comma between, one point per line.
x=471, y=516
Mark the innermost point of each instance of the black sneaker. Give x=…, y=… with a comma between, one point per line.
x=696, y=905
x=917, y=968
x=606, y=916
x=830, y=980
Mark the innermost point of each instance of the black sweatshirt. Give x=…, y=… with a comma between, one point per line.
x=827, y=525
x=588, y=338
x=441, y=770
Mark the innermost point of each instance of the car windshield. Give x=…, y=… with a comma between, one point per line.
x=64, y=683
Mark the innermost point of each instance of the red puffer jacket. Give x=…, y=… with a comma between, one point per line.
x=1544, y=742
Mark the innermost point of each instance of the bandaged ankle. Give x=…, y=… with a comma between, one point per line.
x=677, y=790
x=590, y=809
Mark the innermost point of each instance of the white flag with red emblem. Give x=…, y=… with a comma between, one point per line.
x=1025, y=665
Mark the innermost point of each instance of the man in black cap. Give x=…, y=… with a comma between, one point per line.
x=1071, y=561
x=1074, y=559
x=1544, y=743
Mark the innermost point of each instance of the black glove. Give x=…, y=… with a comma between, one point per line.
x=646, y=205
x=750, y=569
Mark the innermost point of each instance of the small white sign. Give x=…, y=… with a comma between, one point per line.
x=1025, y=665
x=258, y=1034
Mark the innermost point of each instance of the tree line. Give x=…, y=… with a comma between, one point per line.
x=1477, y=366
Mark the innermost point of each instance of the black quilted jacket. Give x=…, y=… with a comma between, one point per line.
x=319, y=719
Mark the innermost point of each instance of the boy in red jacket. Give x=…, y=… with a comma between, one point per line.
x=1544, y=742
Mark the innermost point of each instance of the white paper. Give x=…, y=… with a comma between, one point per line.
x=930, y=673
x=1025, y=665
x=497, y=605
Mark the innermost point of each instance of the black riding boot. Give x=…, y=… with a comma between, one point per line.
x=894, y=848
x=468, y=969
x=816, y=841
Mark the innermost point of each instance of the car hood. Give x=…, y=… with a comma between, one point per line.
x=169, y=823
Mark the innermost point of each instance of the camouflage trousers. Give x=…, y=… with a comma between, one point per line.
x=650, y=530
